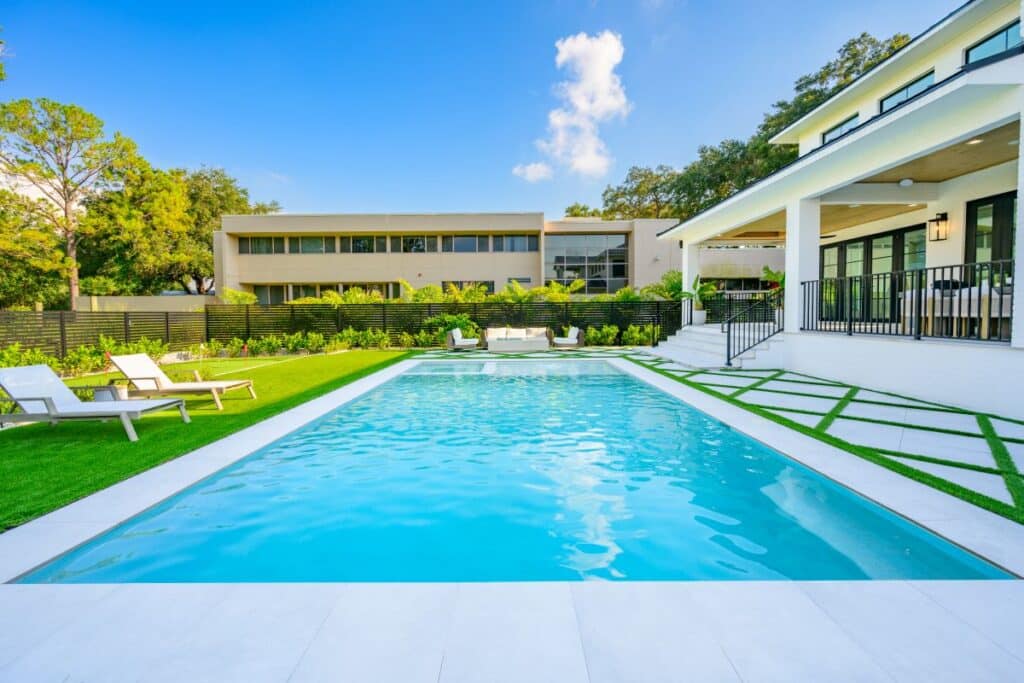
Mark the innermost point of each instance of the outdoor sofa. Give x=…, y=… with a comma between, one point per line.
x=42, y=397
x=504, y=339
x=147, y=379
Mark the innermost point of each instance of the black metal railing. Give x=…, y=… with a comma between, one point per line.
x=964, y=301
x=724, y=305
x=760, y=320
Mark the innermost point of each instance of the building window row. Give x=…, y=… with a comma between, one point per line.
x=378, y=244
x=840, y=130
x=279, y=294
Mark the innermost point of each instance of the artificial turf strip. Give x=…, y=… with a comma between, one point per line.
x=991, y=504
x=839, y=407
x=44, y=467
x=1003, y=460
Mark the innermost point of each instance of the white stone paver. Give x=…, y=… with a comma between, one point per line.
x=928, y=643
x=936, y=419
x=767, y=398
x=1009, y=429
x=953, y=447
x=869, y=434
x=723, y=380
x=805, y=419
x=514, y=632
x=874, y=411
x=600, y=632
x=1016, y=451
x=868, y=395
x=806, y=388
x=382, y=632
x=991, y=485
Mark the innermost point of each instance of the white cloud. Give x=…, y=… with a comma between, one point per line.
x=534, y=172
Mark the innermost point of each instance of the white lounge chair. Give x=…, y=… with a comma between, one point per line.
x=456, y=341
x=149, y=380
x=43, y=397
x=572, y=339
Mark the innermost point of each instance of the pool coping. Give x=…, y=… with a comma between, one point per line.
x=33, y=544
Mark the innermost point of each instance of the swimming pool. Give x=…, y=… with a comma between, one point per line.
x=514, y=471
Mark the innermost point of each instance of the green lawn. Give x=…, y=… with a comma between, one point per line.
x=44, y=467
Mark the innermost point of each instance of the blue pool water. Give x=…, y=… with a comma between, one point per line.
x=514, y=471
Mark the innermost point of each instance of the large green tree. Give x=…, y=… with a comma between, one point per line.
x=33, y=262
x=135, y=236
x=723, y=169
x=212, y=193
x=58, y=156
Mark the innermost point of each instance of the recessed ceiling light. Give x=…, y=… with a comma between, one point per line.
x=852, y=206
x=1013, y=142
x=827, y=237
x=974, y=141
x=911, y=204
x=906, y=182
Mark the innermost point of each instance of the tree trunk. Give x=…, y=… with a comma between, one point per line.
x=72, y=249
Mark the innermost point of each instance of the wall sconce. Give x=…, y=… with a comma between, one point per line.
x=938, y=227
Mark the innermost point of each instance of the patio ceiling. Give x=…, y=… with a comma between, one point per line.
x=834, y=217
x=992, y=148
x=995, y=147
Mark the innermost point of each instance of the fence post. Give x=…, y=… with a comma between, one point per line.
x=248, y=327
x=291, y=320
x=167, y=328
x=206, y=324
x=849, y=306
x=337, y=320
x=919, y=308
x=63, y=336
x=384, y=318
x=127, y=329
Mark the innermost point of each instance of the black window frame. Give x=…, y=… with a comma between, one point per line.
x=995, y=55
x=277, y=245
x=906, y=90
x=855, y=118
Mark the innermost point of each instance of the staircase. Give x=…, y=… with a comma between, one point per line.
x=703, y=346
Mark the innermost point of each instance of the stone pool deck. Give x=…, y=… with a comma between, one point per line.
x=625, y=631
x=523, y=632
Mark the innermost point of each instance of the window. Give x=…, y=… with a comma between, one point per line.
x=417, y=244
x=389, y=290
x=269, y=294
x=260, y=245
x=464, y=244
x=996, y=44
x=602, y=261
x=488, y=284
x=311, y=245
x=840, y=130
x=302, y=291
x=362, y=244
x=516, y=243
x=906, y=92
x=991, y=224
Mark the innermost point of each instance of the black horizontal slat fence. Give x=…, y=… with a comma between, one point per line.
x=57, y=331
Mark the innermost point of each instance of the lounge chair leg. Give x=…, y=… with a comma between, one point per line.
x=252, y=390
x=184, y=413
x=129, y=428
x=216, y=399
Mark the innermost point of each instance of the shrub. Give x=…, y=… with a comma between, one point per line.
x=406, y=340
x=265, y=346
x=82, y=360
x=233, y=296
x=426, y=338
x=602, y=336
x=635, y=335
x=362, y=339
x=154, y=348
x=14, y=356
x=439, y=325
x=235, y=347
x=315, y=342
x=293, y=343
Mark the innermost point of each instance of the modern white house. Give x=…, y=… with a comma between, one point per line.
x=901, y=225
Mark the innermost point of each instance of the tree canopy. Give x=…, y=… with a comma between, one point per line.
x=723, y=169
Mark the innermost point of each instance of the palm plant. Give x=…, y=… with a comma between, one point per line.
x=700, y=292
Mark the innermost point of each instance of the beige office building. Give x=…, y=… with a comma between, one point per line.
x=283, y=257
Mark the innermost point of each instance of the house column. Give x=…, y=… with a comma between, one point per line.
x=690, y=263
x=1017, y=325
x=803, y=237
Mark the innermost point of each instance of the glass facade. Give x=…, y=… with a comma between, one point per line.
x=602, y=261
x=465, y=244
x=516, y=243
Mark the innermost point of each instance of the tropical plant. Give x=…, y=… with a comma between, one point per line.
x=701, y=292
x=776, y=277
x=636, y=335
x=556, y=292
x=670, y=287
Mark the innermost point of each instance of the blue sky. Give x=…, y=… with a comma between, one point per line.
x=416, y=106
